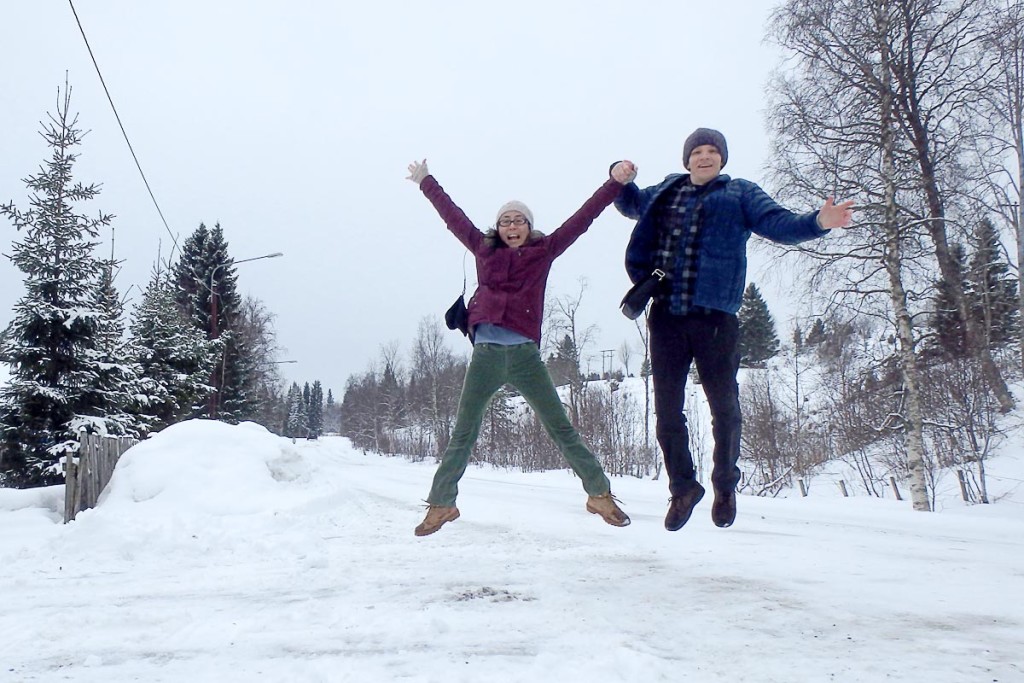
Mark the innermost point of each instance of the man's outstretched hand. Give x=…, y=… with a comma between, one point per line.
x=624, y=172
x=832, y=215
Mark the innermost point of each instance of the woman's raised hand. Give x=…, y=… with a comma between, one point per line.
x=418, y=171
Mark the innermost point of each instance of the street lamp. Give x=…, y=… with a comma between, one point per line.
x=214, y=333
x=213, y=292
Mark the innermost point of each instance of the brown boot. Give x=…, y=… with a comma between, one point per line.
x=680, y=507
x=606, y=506
x=723, y=510
x=437, y=517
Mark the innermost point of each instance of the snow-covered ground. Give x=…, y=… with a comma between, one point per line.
x=225, y=553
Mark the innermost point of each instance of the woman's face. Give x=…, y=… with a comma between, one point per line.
x=513, y=228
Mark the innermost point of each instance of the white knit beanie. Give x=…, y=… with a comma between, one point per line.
x=515, y=205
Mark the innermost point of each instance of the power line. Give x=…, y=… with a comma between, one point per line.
x=138, y=165
x=121, y=125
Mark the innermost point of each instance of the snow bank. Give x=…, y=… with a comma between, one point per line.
x=209, y=468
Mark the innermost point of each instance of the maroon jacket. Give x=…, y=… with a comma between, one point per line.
x=511, y=282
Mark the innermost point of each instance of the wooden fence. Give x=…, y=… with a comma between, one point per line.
x=86, y=475
x=846, y=492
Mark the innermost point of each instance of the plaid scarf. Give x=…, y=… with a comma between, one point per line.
x=679, y=218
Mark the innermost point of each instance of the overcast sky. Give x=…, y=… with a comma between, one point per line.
x=292, y=124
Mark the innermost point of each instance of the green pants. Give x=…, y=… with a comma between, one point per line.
x=491, y=367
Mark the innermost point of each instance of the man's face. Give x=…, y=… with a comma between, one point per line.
x=705, y=164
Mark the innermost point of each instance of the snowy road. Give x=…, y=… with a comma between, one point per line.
x=227, y=554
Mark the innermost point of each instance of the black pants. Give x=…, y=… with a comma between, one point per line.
x=708, y=339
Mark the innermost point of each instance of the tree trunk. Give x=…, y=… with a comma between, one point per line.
x=1019, y=225
x=913, y=426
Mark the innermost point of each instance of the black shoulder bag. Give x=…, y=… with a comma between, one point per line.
x=457, y=316
x=636, y=299
x=639, y=295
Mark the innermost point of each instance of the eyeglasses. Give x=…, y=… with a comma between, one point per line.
x=505, y=222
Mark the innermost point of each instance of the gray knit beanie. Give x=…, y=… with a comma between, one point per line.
x=704, y=136
x=516, y=206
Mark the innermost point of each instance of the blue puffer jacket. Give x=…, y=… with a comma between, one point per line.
x=731, y=210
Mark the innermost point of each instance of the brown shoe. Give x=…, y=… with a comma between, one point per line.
x=723, y=510
x=605, y=505
x=437, y=517
x=680, y=507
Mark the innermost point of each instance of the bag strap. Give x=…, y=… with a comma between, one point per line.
x=464, y=254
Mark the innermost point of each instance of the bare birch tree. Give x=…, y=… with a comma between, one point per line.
x=562, y=318
x=836, y=131
x=435, y=367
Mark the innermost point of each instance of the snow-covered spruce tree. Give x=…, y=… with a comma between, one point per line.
x=297, y=426
x=54, y=341
x=172, y=353
x=117, y=392
x=758, y=340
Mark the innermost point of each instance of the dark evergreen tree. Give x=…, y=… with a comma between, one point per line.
x=391, y=406
x=799, y=344
x=191, y=275
x=994, y=288
x=172, y=353
x=52, y=342
x=332, y=414
x=991, y=293
x=949, y=336
x=315, y=410
x=564, y=364
x=208, y=292
x=817, y=335
x=758, y=341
